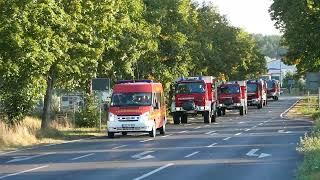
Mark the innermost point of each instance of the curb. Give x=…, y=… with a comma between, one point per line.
x=284, y=114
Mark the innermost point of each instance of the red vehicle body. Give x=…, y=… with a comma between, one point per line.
x=137, y=106
x=257, y=93
x=232, y=95
x=273, y=89
x=194, y=95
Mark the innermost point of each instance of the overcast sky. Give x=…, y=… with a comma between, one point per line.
x=251, y=15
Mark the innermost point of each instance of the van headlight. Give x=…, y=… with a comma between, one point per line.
x=111, y=117
x=145, y=116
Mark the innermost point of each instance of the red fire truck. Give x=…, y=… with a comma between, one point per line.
x=232, y=95
x=194, y=95
x=273, y=89
x=137, y=106
x=257, y=93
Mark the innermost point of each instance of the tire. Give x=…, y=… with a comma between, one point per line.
x=206, y=117
x=153, y=132
x=223, y=112
x=176, y=118
x=276, y=98
x=259, y=106
x=241, y=111
x=184, y=119
x=214, y=116
x=110, y=134
x=163, y=129
x=124, y=133
x=219, y=113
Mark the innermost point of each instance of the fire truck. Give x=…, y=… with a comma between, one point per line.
x=192, y=96
x=232, y=96
x=257, y=93
x=273, y=89
x=137, y=106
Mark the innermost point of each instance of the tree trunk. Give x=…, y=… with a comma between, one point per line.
x=47, y=100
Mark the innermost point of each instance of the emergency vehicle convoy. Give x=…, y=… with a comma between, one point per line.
x=273, y=89
x=232, y=95
x=137, y=106
x=257, y=93
x=194, y=95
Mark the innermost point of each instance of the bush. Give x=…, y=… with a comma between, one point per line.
x=88, y=116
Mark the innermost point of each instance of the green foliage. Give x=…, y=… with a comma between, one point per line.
x=300, y=23
x=298, y=82
x=88, y=116
x=270, y=45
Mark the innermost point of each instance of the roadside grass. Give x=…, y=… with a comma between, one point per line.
x=28, y=133
x=310, y=144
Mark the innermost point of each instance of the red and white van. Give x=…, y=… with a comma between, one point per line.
x=257, y=93
x=137, y=106
x=273, y=89
x=232, y=95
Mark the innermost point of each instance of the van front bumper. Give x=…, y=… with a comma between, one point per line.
x=127, y=126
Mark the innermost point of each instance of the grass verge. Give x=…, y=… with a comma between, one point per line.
x=310, y=144
x=29, y=133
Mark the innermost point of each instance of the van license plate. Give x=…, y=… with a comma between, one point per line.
x=127, y=125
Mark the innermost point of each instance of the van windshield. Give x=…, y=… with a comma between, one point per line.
x=229, y=89
x=188, y=88
x=252, y=87
x=270, y=84
x=131, y=99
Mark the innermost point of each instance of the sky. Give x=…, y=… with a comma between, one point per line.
x=251, y=15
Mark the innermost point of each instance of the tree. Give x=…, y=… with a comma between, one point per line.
x=300, y=23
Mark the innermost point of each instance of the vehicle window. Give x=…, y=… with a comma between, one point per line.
x=270, y=84
x=252, y=87
x=230, y=89
x=131, y=99
x=188, y=88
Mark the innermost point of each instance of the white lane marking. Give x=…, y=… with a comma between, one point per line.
x=192, y=154
x=281, y=131
x=119, y=146
x=241, y=122
x=4, y=153
x=252, y=152
x=25, y=171
x=154, y=171
x=167, y=135
x=141, y=154
x=24, y=158
x=225, y=139
x=210, y=132
x=147, y=140
x=207, y=125
x=215, y=123
x=238, y=134
x=80, y=157
x=247, y=130
x=213, y=134
x=253, y=127
x=197, y=127
x=262, y=155
x=260, y=124
x=182, y=132
x=211, y=145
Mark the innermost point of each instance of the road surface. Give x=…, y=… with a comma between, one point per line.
x=258, y=146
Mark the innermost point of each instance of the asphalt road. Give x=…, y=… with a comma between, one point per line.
x=258, y=146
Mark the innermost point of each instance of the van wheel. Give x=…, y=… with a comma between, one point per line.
x=219, y=112
x=214, y=116
x=223, y=112
x=176, y=118
x=153, y=132
x=124, y=133
x=206, y=117
x=241, y=111
x=259, y=106
x=276, y=98
x=163, y=129
x=184, y=119
x=110, y=135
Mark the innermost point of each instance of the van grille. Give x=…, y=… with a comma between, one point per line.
x=128, y=118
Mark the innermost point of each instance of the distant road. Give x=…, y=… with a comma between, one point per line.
x=259, y=146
